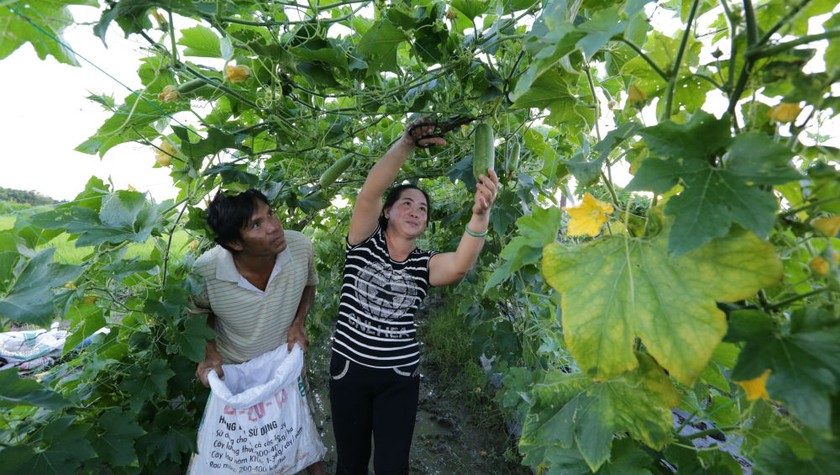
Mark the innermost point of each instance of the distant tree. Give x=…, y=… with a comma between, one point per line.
x=32, y=198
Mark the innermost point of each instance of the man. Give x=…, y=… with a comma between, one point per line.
x=259, y=284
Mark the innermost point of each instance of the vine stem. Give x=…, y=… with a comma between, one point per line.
x=788, y=301
x=675, y=73
x=645, y=57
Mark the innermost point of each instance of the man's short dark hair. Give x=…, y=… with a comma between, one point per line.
x=227, y=214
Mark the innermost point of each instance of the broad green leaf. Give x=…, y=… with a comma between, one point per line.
x=536, y=230
x=115, y=445
x=30, y=299
x=86, y=319
x=712, y=201
x=39, y=24
x=552, y=91
x=804, y=365
x=193, y=339
x=169, y=437
x=638, y=402
x=616, y=289
x=16, y=459
x=133, y=121
x=201, y=41
x=703, y=137
x=714, y=197
x=122, y=216
x=379, y=47
x=471, y=8
x=15, y=391
x=144, y=384
x=65, y=447
x=758, y=159
x=600, y=29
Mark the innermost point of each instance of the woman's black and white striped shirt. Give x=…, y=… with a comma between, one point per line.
x=379, y=298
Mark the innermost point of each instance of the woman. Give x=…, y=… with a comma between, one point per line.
x=375, y=380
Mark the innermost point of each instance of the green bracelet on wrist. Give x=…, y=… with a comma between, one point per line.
x=475, y=235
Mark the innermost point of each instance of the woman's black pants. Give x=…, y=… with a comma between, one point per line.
x=381, y=402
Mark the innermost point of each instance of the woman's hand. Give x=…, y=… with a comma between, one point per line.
x=486, y=190
x=421, y=128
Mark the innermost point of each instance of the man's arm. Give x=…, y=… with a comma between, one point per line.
x=212, y=357
x=297, y=330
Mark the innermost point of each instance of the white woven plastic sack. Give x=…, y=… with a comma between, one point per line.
x=257, y=419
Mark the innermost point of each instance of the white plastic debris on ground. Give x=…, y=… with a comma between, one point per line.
x=29, y=349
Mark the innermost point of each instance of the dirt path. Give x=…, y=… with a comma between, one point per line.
x=448, y=440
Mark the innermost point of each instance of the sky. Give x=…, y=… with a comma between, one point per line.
x=46, y=115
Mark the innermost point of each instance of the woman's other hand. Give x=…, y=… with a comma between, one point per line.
x=486, y=190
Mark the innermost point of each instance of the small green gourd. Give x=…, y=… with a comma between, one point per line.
x=335, y=170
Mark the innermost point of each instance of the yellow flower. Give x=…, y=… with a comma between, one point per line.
x=828, y=226
x=588, y=217
x=130, y=188
x=163, y=23
x=819, y=266
x=755, y=388
x=784, y=112
x=169, y=94
x=237, y=74
x=635, y=95
x=164, y=153
x=451, y=14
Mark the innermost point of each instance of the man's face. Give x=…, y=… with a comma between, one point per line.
x=262, y=234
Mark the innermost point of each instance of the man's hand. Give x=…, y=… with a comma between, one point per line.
x=212, y=360
x=297, y=335
x=204, y=368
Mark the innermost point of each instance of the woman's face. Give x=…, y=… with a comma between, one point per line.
x=409, y=213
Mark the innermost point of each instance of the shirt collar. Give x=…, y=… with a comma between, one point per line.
x=226, y=270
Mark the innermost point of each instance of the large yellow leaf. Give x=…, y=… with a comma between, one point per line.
x=618, y=288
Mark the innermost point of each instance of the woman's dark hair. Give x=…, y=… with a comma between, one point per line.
x=228, y=214
x=395, y=194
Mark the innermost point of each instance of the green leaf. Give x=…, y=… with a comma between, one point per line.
x=703, y=137
x=536, y=230
x=471, y=8
x=200, y=41
x=169, y=437
x=714, y=197
x=379, y=47
x=30, y=299
x=552, y=91
x=122, y=216
x=133, y=121
x=216, y=141
x=15, y=391
x=638, y=402
x=616, y=289
x=115, y=444
x=600, y=29
x=65, y=447
x=805, y=370
x=713, y=200
x=193, y=339
x=758, y=159
x=145, y=383
x=40, y=25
